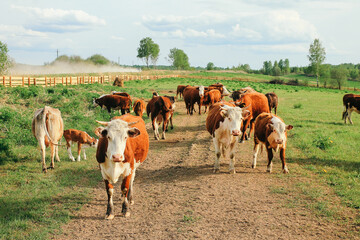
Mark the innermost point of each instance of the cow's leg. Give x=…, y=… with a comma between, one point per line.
x=232, y=156
x=126, y=191
x=245, y=126
x=217, y=155
x=251, y=129
x=349, y=116
x=42, y=151
x=156, y=129
x=270, y=157
x=256, y=151
x=122, y=111
x=108, y=109
x=275, y=108
x=57, y=153
x=171, y=117
x=79, y=151
x=165, y=123
x=200, y=108
x=84, y=154
x=282, y=157
x=68, y=146
x=110, y=206
x=52, y=147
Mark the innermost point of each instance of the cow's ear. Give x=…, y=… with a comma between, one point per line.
x=133, y=132
x=270, y=126
x=289, y=127
x=245, y=113
x=223, y=112
x=104, y=132
x=98, y=131
x=242, y=105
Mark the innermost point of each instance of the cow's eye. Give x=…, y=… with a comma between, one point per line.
x=108, y=138
x=229, y=119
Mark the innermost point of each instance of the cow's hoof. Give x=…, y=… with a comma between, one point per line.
x=285, y=170
x=132, y=202
x=109, y=217
x=268, y=170
x=253, y=166
x=216, y=170
x=127, y=214
x=232, y=171
x=72, y=159
x=44, y=170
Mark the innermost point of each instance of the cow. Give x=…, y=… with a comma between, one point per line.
x=210, y=97
x=272, y=101
x=271, y=131
x=124, y=94
x=123, y=146
x=236, y=95
x=220, y=87
x=191, y=96
x=171, y=98
x=351, y=103
x=155, y=94
x=180, y=89
x=47, y=127
x=116, y=102
x=160, y=110
x=224, y=123
x=139, y=107
x=73, y=135
x=257, y=103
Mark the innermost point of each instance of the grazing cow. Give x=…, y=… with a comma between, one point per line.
x=221, y=88
x=351, y=103
x=47, y=126
x=210, y=97
x=123, y=146
x=160, y=110
x=271, y=131
x=257, y=103
x=191, y=96
x=124, y=94
x=139, y=107
x=272, y=100
x=73, y=135
x=236, y=95
x=180, y=89
x=223, y=123
x=117, y=102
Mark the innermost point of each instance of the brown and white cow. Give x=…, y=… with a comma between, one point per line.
x=272, y=101
x=116, y=102
x=124, y=145
x=224, y=123
x=191, y=96
x=47, y=126
x=161, y=110
x=271, y=131
x=210, y=97
x=139, y=107
x=236, y=95
x=220, y=87
x=257, y=103
x=351, y=103
x=79, y=137
x=180, y=89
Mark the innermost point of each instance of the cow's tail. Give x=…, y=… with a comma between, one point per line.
x=163, y=105
x=45, y=114
x=136, y=106
x=345, y=112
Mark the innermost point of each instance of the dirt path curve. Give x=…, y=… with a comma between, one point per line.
x=178, y=197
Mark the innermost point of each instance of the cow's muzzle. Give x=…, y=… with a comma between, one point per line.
x=235, y=132
x=118, y=158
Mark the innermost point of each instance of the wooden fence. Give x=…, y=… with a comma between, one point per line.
x=15, y=81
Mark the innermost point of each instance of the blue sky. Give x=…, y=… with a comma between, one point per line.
x=226, y=32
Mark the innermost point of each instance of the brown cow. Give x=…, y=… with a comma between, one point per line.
x=210, y=97
x=47, y=127
x=117, y=102
x=73, y=135
x=271, y=131
x=220, y=87
x=180, y=89
x=123, y=146
x=236, y=95
x=191, y=96
x=351, y=103
x=139, y=107
x=272, y=100
x=257, y=103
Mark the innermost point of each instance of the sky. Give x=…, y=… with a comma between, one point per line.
x=224, y=32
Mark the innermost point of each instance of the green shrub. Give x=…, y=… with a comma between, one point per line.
x=297, y=105
x=323, y=142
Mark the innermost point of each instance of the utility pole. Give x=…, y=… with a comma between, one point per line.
x=118, y=60
x=57, y=53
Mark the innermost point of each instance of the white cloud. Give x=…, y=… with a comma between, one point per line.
x=19, y=36
x=117, y=38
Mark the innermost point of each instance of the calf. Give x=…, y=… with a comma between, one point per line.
x=272, y=101
x=271, y=131
x=210, y=97
x=180, y=89
x=351, y=103
x=47, y=127
x=73, y=135
x=191, y=96
x=123, y=146
x=116, y=102
x=224, y=123
x=139, y=107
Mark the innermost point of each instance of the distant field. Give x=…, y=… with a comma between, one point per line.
x=33, y=204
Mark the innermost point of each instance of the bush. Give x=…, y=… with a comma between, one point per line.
x=26, y=93
x=276, y=81
x=323, y=142
x=297, y=105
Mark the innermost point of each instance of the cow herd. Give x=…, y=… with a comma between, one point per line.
x=123, y=142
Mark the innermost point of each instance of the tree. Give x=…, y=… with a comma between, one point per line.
x=354, y=73
x=338, y=75
x=267, y=67
x=281, y=65
x=178, y=59
x=148, y=50
x=210, y=66
x=286, y=66
x=98, y=59
x=316, y=57
x=324, y=74
x=5, y=61
x=276, y=71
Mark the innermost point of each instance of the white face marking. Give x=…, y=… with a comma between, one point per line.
x=201, y=91
x=278, y=133
x=232, y=119
x=117, y=134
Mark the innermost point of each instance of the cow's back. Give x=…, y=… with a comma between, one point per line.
x=258, y=102
x=191, y=95
x=214, y=117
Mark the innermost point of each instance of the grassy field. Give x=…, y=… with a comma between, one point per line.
x=33, y=204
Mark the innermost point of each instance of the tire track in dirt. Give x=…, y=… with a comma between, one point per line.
x=178, y=197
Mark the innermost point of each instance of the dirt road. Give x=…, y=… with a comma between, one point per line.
x=177, y=196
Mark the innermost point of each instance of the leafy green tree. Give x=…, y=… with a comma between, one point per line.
x=286, y=66
x=178, y=59
x=98, y=59
x=276, y=71
x=210, y=66
x=339, y=75
x=324, y=74
x=354, y=73
x=267, y=67
x=281, y=65
x=316, y=57
x=148, y=50
x=5, y=61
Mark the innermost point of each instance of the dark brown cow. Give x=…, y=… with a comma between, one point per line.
x=271, y=131
x=351, y=103
x=272, y=100
x=257, y=103
x=79, y=137
x=191, y=96
x=180, y=89
x=116, y=102
x=210, y=97
x=123, y=146
x=139, y=107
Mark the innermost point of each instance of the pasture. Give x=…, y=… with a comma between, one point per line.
x=176, y=193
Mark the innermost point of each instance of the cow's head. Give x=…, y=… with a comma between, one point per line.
x=233, y=117
x=201, y=91
x=276, y=132
x=117, y=131
x=225, y=92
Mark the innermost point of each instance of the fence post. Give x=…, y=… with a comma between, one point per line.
x=10, y=81
x=62, y=80
x=35, y=81
x=28, y=81
x=70, y=80
x=54, y=81
x=45, y=81
x=66, y=81
x=23, y=81
x=4, y=81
